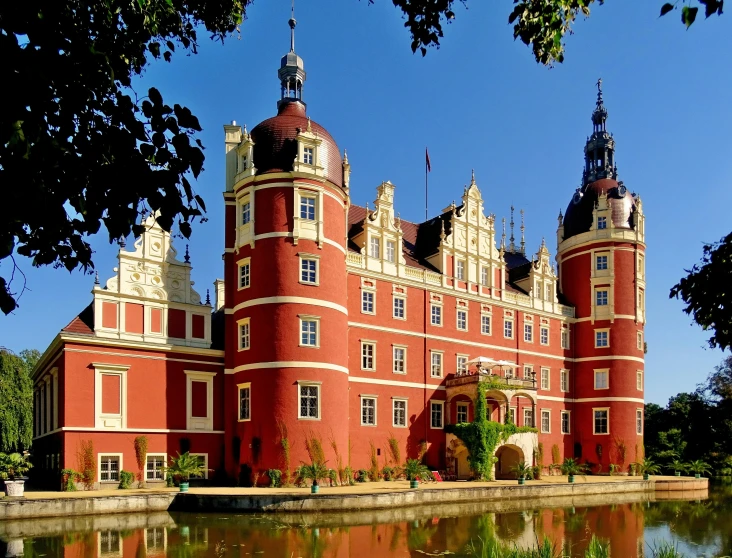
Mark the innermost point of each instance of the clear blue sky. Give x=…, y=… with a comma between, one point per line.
x=478, y=102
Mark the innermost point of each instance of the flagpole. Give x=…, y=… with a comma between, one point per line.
x=425, y=182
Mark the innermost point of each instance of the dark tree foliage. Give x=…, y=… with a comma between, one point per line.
x=16, y=399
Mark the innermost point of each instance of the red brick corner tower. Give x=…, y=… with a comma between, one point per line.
x=601, y=259
x=285, y=285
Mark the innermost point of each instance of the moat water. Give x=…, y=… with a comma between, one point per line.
x=699, y=524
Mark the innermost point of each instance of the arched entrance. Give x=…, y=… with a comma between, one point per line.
x=508, y=457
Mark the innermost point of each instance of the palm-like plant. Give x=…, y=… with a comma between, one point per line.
x=678, y=466
x=13, y=465
x=186, y=466
x=522, y=470
x=414, y=469
x=700, y=467
x=572, y=467
x=647, y=467
x=314, y=471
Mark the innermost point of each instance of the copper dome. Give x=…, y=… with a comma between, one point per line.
x=275, y=147
x=578, y=218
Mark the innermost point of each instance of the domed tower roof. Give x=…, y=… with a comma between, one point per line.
x=599, y=178
x=275, y=143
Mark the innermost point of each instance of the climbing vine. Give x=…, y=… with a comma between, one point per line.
x=482, y=436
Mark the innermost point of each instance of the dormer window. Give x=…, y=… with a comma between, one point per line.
x=243, y=163
x=601, y=223
x=390, y=250
x=307, y=208
x=461, y=270
x=375, y=247
x=246, y=213
x=307, y=156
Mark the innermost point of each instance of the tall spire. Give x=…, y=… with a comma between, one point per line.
x=292, y=69
x=503, y=236
x=512, y=245
x=523, y=240
x=600, y=146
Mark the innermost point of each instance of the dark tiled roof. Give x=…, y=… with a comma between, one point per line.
x=83, y=323
x=578, y=218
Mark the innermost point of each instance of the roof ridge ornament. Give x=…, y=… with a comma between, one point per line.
x=292, y=22
x=523, y=240
x=512, y=245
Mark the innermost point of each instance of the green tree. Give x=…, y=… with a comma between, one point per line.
x=16, y=399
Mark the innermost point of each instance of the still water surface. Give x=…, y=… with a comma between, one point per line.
x=700, y=525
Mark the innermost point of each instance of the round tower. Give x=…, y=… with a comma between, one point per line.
x=286, y=298
x=601, y=260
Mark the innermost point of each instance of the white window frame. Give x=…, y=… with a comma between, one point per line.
x=529, y=410
x=246, y=212
x=317, y=385
x=245, y=280
x=239, y=388
x=458, y=358
x=441, y=405
x=394, y=350
x=205, y=463
x=605, y=262
x=544, y=333
x=600, y=373
x=565, y=339
x=594, y=424
x=567, y=414
x=564, y=380
x=464, y=313
x=441, y=365
x=403, y=300
x=639, y=340
x=394, y=401
x=460, y=268
x=462, y=406
x=245, y=334
x=639, y=380
x=512, y=414
x=486, y=318
x=199, y=423
x=528, y=333
x=484, y=275
x=308, y=155
x=368, y=343
x=107, y=550
x=506, y=322
x=542, y=371
x=391, y=251
x=365, y=295
x=597, y=338
x=639, y=422
x=599, y=298
x=309, y=258
x=100, y=457
x=373, y=398
x=375, y=247
x=436, y=311
x=601, y=223
x=548, y=414
x=302, y=318
x=306, y=206
x=162, y=471
x=107, y=421
x=528, y=370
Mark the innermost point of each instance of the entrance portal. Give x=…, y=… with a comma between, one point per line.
x=508, y=457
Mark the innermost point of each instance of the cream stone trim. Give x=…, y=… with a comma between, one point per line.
x=128, y=355
x=289, y=364
x=128, y=430
x=239, y=388
x=199, y=424
x=91, y=340
x=307, y=383
x=284, y=234
x=554, y=398
x=325, y=190
x=119, y=457
x=610, y=399
x=395, y=383
x=569, y=422
x=541, y=421
x=404, y=400
x=608, y=421
x=611, y=248
x=441, y=404
x=288, y=300
x=375, y=399
x=110, y=421
x=609, y=357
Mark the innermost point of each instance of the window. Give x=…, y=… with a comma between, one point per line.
x=246, y=213
x=601, y=421
x=641, y=265
x=462, y=320
x=485, y=324
x=641, y=303
x=307, y=155
x=508, y=329
x=399, y=308
x=601, y=263
x=528, y=333
x=544, y=335
x=309, y=401
x=436, y=409
x=545, y=378
x=545, y=421
x=155, y=540
x=110, y=543
x=308, y=332
x=549, y=296
x=109, y=467
x=462, y=413
x=367, y=302
x=155, y=466
x=307, y=208
x=436, y=365
x=565, y=422
x=436, y=315
x=601, y=338
x=639, y=421
x=462, y=364
x=368, y=350
x=565, y=337
x=245, y=402
x=639, y=340
x=602, y=379
x=461, y=270
x=528, y=371
x=244, y=274
x=199, y=400
x=110, y=398
x=528, y=417
x=601, y=297
x=391, y=251
x=564, y=380
x=375, y=247
x=512, y=415
x=399, y=412
x=244, y=335
x=309, y=271
x=639, y=380
x=368, y=411
x=400, y=360
x=484, y=276
x=602, y=222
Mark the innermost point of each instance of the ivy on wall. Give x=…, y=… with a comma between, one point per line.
x=482, y=436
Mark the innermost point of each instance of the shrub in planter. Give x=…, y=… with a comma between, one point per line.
x=415, y=470
x=13, y=467
x=699, y=468
x=275, y=477
x=184, y=467
x=69, y=478
x=389, y=473
x=647, y=467
x=362, y=475
x=314, y=472
x=523, y=471
x=572, y=467
x=126, y=478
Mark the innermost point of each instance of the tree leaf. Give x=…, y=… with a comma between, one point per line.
x=688, y=15
x=666, y=8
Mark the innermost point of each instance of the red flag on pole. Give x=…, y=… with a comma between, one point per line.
x=427, y=156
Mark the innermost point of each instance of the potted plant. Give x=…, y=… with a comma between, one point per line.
x=184, y=467
x=678, y=467
x=572, y=467
x=647, y=467
x=699, y=468
x=414, y=469
x=13, y=467
x=314, y=472
x=522, y=471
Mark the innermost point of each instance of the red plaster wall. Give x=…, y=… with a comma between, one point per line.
x=199, y=406
x=197, y=326
x=156, y=320
x=134, y=318
x=109, y=314
x=111, y=393
x=176, y=323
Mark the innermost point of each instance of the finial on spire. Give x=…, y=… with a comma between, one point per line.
x=512, y=246
x=96, y=277
x=503, y=236
x=472, y=177
x=599, y=90
x=523, y=242
x=187, y=258
x=208, y=298
x=560, y=218
x=345, y=156
x=293, y=23
x=443, y=236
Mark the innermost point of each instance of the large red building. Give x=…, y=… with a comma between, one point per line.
x=352, y=325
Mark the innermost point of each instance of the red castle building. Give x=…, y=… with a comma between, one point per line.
x=352, y=325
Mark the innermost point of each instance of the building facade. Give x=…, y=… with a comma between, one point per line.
x=353, y=326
